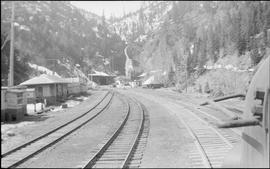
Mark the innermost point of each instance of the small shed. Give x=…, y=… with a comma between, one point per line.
x=49, y=87
x=13, y=103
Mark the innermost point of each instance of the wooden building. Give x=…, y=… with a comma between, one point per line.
x=49, y=87
x=76, y=86
x=101, y=78
x=13, y=103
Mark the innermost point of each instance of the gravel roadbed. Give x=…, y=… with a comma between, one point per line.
x=235, y=104
x=42, y=123
x=74, y=150
x=168, y=139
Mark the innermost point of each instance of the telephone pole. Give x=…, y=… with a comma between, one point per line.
x=11, y=64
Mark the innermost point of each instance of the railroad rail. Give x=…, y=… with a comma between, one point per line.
x=24, y=152
x=214, y=118
x=137, y=155
x=117, y=149
x=213, y=143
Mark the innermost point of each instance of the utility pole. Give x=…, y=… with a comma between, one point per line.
x=11, y=64
x=186, y=80
x=186, y=73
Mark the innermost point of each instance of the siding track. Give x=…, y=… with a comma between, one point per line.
x=213, y=143
x=26, y=151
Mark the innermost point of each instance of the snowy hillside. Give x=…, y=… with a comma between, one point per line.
x=43, y=69
x=142, y=22
x=46, y=31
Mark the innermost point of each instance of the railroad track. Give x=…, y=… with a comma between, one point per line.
x=213, y=143
x=24, y=152
x=123, y=145
x=212, y=118
x=136, y=157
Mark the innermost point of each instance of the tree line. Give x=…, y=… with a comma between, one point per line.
x=213, y=29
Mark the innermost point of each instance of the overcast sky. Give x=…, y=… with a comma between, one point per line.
x=110, y=7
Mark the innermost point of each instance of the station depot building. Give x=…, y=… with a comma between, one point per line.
x=48, y=89
x=51, y=88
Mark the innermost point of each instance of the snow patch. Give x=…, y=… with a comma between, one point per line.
x=227, y=67
x=44, y=69
x=21, y=27
x=149, y=80
x=95, y=29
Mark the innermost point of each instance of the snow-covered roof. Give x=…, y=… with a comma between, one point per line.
x=43, y=79
x=97, y=73
x=142, y=75
x=149, y=80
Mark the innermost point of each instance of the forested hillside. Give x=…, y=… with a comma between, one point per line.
x=47, y=31
x=179, y=40
x=190, y=36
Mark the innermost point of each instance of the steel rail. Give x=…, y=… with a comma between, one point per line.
x=139, y=133
x=113, y=138
x=46, y=134
x=212, y=143
x=20, y=161
x=203, y=113
x=108, y=143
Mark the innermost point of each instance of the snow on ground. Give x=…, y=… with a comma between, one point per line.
x=41, y=68
x=227, y=67
x=7, y=128
x=70, y=103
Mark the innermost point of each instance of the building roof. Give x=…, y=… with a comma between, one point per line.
x=154, y=79
x=97, y=73
x=149, y=80
x=44, y=79
x=142, y=75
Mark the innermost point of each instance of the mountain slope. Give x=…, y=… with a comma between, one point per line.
x=188, y=36
x=47, y=31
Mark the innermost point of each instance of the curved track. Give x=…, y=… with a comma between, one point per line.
x=26, y=151
x=119, y=145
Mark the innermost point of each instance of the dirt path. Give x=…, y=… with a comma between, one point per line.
x=74, y=150
x=169, y=143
